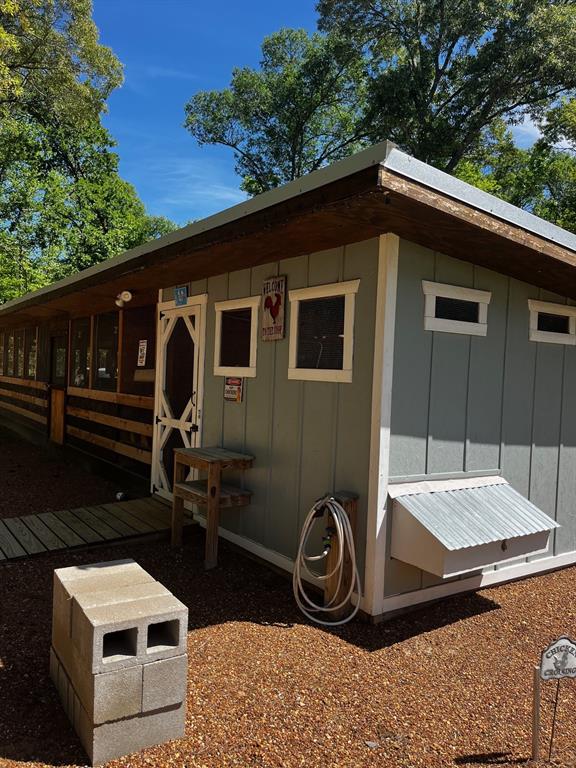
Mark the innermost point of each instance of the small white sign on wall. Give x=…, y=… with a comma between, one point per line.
x=142, y=349
x=273, y=304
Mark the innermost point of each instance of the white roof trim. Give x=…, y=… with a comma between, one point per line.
x=433, y=486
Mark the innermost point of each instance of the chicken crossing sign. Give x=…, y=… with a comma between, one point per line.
x=559, y=660
x=273, y=304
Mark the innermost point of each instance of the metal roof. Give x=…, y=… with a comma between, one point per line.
x=385, y=154
x=470, y=517
x=411, y=168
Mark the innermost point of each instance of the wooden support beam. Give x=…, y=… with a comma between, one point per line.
x=22, y=396
x=111, y=445
x=136, y=401
x=31, y=383
x=40, y=418
x=128, y=425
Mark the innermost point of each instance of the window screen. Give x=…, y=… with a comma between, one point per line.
x=10, y=355
x=105, y=363
x=321, y=333
x=80, y=353
x=457, y=309
x=19, y=354
x=235, y=338
x=30, y=354
x=553, y=323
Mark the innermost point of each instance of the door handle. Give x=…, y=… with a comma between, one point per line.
x=194, y=428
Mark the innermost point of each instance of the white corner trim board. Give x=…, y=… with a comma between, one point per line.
x=348, y=289
x=432, y=323
x=252, y=303
x=383, y=370
x=550, y=337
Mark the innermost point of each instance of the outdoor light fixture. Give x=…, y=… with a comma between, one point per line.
x=123, y=298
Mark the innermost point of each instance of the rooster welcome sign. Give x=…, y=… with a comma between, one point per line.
x=273, y=302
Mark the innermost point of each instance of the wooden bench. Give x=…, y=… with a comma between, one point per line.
x=210, y=493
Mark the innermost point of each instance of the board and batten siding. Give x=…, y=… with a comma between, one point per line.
x=469, y=403
x=308, y=437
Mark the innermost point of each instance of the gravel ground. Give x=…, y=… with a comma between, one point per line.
x=34, y=479
x=449, y=685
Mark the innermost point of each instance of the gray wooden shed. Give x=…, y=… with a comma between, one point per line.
x=427, y=362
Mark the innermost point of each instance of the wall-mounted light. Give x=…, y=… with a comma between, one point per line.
x=123, y=298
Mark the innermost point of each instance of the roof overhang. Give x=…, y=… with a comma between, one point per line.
x=451, y=527
x=376, y=191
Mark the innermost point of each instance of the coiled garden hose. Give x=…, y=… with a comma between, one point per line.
x=345, y=541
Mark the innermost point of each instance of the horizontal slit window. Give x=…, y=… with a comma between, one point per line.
x=553, y=323
x=457, y=309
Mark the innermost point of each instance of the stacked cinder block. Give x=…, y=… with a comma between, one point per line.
x=118, y=657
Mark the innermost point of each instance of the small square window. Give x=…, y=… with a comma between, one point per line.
x=454, y=309
x=552, y=323
x=321, y=332
x=236, y=337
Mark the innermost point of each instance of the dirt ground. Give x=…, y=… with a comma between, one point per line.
x=449, y=685
x=34, y=479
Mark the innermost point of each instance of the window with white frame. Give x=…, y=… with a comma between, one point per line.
x=322, y=332
x=236, y=337
x=453, y=309
x=552, y=323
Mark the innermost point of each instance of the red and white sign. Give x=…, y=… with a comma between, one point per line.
x=273, y=305
x=233, y=386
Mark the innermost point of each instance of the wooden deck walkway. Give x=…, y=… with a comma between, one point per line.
x=86, y=526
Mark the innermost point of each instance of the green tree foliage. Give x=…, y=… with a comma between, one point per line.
x=540, y=179
x=300, y=110
x=52, y=66
x=63, y=206
x=443, y=71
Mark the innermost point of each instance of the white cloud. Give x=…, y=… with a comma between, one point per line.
x=526, y=132
x=173, y=74
x=185, y=187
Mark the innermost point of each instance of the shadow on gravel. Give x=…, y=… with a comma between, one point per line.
x=490, y=758
x=33, y=726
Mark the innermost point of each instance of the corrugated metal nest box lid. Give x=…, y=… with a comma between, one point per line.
x=453, y=530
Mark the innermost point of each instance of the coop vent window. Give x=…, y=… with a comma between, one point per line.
x=552, y=323
x=236, y=337
x=322, y=332
x=453, y=309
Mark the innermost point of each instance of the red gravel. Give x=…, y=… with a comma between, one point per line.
x=35, y=479
x=449, y=685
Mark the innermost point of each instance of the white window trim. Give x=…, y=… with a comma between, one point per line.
x=433, y=323
x=348, y=289
x=550, y=337
x=250, y=302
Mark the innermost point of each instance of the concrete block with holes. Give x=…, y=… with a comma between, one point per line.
x=118, y=657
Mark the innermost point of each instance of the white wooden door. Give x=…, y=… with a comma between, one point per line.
x=178, y=400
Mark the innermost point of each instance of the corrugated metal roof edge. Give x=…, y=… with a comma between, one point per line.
x=386, y=154
x=416, y=505
x=411, y=168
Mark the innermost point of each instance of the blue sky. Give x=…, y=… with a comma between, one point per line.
x=171, y=49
